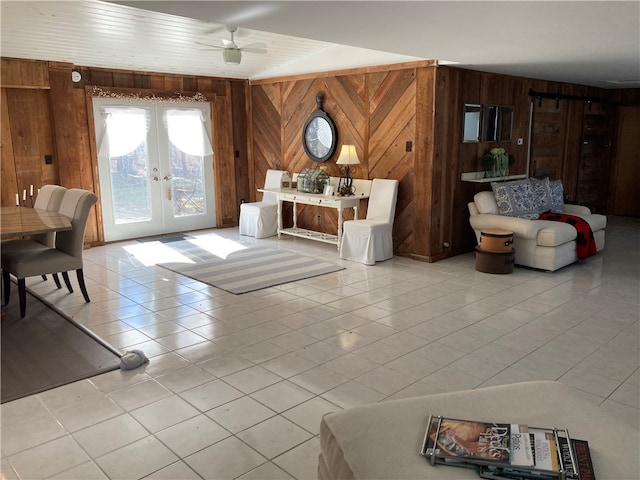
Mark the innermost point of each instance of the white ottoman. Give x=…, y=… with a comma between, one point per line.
x=383, y=440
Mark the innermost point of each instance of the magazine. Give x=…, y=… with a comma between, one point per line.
x=545, y=451
x=455, y=440
x=507, y=450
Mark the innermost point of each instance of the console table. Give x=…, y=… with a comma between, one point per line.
x=319, y=200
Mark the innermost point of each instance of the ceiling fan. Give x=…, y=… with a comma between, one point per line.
x=231, y=52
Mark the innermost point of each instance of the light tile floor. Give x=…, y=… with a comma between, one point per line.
x=237, y=384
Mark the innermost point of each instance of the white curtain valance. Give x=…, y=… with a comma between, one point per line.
x=125, y=130
x=187, y=132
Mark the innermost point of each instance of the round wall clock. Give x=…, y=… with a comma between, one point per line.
x=319, y=137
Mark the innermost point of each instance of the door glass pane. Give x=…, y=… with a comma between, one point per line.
x=127, y=149
x=188, y=148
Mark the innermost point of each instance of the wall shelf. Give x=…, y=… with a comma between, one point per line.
x=478, y=177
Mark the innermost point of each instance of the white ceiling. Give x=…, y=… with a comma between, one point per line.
x=586, y=42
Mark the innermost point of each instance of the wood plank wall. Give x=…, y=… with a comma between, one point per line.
x=376, y=110
x=380, y=110
x=44, y=113
x=454, y=88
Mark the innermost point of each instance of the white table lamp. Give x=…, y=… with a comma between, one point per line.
x=348, y=157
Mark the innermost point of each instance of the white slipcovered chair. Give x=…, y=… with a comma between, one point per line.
x=260, y=219
x=65, y=256
x=371, y=240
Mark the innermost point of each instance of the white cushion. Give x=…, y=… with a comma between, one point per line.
x=486, y=202
x=596, y=221
x=553, y=233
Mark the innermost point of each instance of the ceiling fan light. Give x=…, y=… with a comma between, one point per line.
x=232, y=57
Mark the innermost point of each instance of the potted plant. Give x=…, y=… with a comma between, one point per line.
x=487, y=162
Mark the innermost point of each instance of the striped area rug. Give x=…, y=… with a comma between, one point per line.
x=246, y=270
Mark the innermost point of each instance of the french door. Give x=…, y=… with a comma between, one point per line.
x=155, y=164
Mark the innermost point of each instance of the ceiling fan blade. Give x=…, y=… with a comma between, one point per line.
x=212, y=30
x=258, y=45
x=229, y=44
x=253, y=50
x=210, y=46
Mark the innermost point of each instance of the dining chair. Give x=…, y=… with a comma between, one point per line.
x=260, y=219
x=371, y=240
x=65, y=256
x=49, y=198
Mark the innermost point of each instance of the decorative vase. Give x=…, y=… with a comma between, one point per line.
x=501, y=162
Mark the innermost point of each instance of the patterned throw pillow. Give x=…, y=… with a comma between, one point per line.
x=557, y=196
x=515, y=199
x=541, y=194
x=548, y=195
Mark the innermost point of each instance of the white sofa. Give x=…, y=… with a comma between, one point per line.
x=542, y=244
x=382, y=440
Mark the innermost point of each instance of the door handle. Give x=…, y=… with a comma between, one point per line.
x=155, y=178
x=166, y=178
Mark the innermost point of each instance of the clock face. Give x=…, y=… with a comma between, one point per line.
x=319, y=137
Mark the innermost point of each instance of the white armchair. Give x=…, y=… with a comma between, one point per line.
x=371, y=240
x=260, y=219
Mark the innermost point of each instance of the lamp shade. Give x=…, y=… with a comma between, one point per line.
x=348, y=156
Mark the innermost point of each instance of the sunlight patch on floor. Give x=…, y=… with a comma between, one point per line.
x=152, y=253
x=219, y=246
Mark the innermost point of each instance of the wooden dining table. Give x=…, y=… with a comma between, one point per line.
x=23, y=221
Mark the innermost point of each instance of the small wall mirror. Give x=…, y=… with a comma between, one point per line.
x=505, y=124
x=490, y=130
x=487, y=123
x=472, y=122
x=497, y=120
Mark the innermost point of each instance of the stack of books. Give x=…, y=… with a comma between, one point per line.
x=510, y=451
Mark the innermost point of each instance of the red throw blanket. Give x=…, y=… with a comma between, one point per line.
x=585, y=243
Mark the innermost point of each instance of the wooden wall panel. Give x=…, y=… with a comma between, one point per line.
x=375, y=111
x=30, y=140
x=298, y=101
x=225, y=181
x=392, y=125
x=627, y=167
x=7, y=164
x=266, y=104
x=17, y=73
x=240, y=141
x=416, y=240
x=59, y=124
x=24, y=138
x=555, y=144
